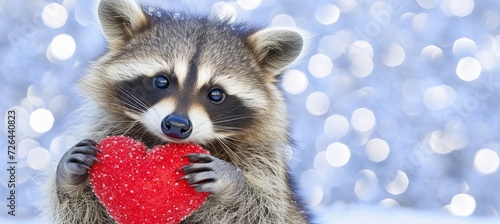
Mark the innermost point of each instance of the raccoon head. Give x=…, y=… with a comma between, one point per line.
x=186, y=78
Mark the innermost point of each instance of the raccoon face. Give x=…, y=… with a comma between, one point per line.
x=188, y=79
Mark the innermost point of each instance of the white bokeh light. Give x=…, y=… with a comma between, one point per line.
x=468, y=69
x=453, y=137
x=486, y=59
x=461, y=8
x=335, y=45
x=295, y=81
x=318, y=103
x=328, y=14
x=337, y=154
x=224, y=11
x=54, y=15
x=362, y=71
x=389, y=202
x=346, y=5
x=361, y=55
x=462, y=205
x=394, y=56
x=399, y=184
x=25, y=146
x=439, y=97
x=486, y=161
x=366, y=187
x=420, y=22
x=363, y=120
x=38, y=158
x=437, y=144
x=315, y=190
x=431, y=53
x=377, y=150
x=336, y=126
x=41, y=120
x=249, y=4
x=464, y=46
x=428, y=4
x=61, y=48
x=360, y=51
x=283, y=20
x=320, y=65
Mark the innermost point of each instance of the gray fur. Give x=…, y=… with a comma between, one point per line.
x=246, y=170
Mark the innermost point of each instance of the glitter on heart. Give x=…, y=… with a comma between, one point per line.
x=140, y=187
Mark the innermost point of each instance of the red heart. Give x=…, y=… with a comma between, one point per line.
x=140, y=187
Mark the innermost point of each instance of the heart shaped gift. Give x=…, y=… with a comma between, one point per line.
x=137, y=186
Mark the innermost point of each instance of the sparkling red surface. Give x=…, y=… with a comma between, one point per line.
x=140, y=187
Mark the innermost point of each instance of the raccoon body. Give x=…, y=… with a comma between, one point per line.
x=170, y=77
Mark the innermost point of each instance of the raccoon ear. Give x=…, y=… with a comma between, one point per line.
x=276, y=48
x=120, y=19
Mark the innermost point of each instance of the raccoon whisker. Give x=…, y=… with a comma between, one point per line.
x=222, y=129
x=233, y=118
x=143, y=105
x=119, y=108
x=233, y=156
x=98, y=103
x=222, y=121
x=134, y=99
x=131, y=126
x=142, y=136
x=235, y=140
x=222, y=115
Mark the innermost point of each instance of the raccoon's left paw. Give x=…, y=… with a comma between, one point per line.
x=209, y=174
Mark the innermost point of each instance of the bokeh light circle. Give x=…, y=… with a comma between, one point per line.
x=468, y=69
x=486, y=161
x=463, y=205
x=337, y=154
x=295, y=82
x=377, y=150
x=363, y=120
x=61, y=48
x=41, y=120
x=318, y=103
x=54, y=15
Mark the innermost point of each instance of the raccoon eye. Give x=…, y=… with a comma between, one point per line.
x=161, y=82
x=216, y=96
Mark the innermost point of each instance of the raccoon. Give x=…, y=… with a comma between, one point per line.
x=171, y=77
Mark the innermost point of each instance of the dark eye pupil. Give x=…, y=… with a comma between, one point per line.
x=161, y=82
x=216, y=95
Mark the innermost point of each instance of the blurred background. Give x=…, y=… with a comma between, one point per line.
x=395, y=108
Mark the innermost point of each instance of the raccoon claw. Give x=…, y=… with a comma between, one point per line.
x=75, y=163
x=209, y=174
x=199, y=158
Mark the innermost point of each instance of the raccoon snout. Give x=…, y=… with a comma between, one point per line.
x=176, y=126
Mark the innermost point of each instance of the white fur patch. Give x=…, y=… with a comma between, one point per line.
x=205, y=73
x=202, y=125
x=181, y=70
x=144, y=66
x=154, y=116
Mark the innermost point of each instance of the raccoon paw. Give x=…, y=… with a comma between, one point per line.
x=73, y=167
x=209, y=174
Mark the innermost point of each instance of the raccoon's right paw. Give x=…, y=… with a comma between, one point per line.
x=73, y=167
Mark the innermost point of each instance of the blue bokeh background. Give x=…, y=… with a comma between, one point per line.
x=395, y=104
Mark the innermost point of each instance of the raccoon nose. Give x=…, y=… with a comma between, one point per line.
x=176, y=126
